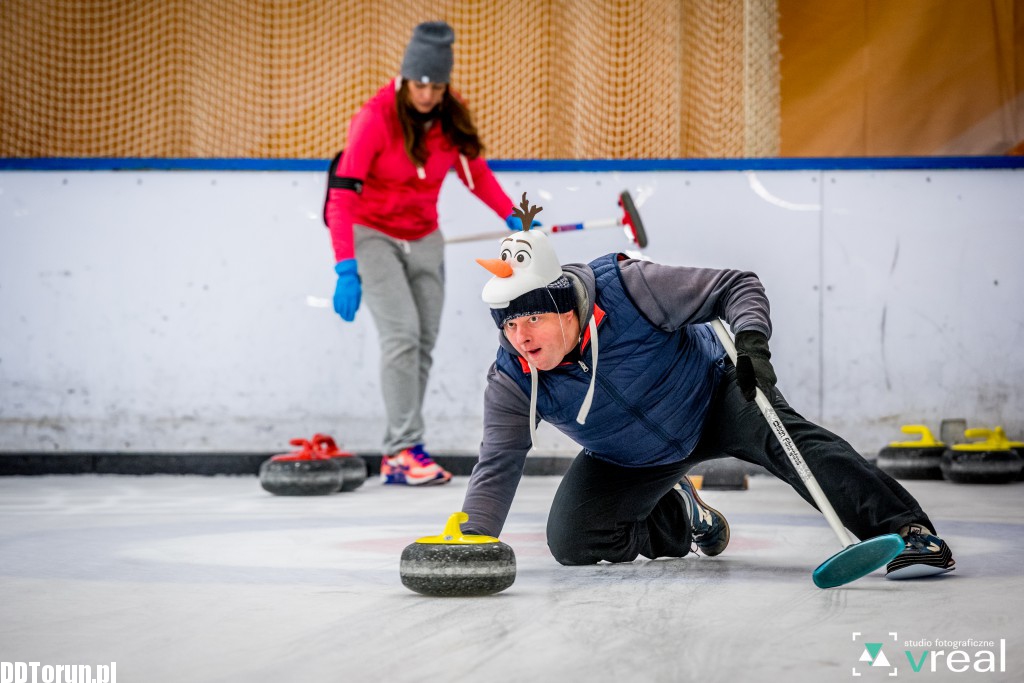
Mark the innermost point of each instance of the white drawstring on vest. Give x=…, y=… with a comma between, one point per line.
x=581, y=417
x=533, y=405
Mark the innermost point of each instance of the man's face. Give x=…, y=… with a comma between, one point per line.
x=543, y=339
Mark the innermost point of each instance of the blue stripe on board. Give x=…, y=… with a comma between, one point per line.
x=528, y=165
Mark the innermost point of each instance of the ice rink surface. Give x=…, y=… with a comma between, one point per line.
x=196, y=579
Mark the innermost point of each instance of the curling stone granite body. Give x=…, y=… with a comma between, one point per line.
x=353, y=468
x=289, y=476
x=353, y=472
x=921, y=459
x=981, y=467
x=909, y=462
x=458, y=570
x=991, y=461
x=1018, y=448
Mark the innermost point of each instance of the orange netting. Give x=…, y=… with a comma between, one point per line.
x=568, y=79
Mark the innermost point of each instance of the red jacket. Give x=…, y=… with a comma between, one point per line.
x=395, y=198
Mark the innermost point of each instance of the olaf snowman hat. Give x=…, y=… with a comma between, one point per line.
x=528, y=280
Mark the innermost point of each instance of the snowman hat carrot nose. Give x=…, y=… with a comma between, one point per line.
x=496, y=266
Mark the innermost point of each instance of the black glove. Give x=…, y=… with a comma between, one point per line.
x=752, y=365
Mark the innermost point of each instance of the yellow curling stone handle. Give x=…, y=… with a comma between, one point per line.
x=926, y=437
x=452, y=533
x=1000, y=434
x=995, y=440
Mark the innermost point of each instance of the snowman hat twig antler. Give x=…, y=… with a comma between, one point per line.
x=526, y=213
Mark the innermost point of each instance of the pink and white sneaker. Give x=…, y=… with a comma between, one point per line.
x=412, y=467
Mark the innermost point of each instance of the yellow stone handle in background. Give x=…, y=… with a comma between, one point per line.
x=926, y=437
x=994, y=440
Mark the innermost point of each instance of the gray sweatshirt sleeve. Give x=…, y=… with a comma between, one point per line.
x=506, y=441
x=673, y=296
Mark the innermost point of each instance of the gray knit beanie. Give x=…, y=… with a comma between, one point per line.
x=428, y=57
x=558, y=297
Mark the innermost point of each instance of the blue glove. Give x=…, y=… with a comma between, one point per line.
x=515, y=223
x=348, y=291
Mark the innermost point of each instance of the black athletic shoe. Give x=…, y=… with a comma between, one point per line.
x=709, y=526
x=925, y=555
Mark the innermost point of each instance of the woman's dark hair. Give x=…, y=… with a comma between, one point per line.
x=456, y=123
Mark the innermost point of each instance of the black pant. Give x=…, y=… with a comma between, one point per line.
x=607, y=512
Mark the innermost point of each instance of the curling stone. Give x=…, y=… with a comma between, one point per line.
x=353, y=468
x=1018, y=448
x=301, y=473
x=454, y=565
x=1015, y=446
x=921, y=459
x=991, y=461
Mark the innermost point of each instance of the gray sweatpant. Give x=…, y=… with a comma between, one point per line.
x=403, y=286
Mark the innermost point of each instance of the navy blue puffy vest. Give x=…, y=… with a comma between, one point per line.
x=653, y=387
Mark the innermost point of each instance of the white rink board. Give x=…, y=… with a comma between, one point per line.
x=176, y=311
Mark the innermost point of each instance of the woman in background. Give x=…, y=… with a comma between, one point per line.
x=382, y=213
